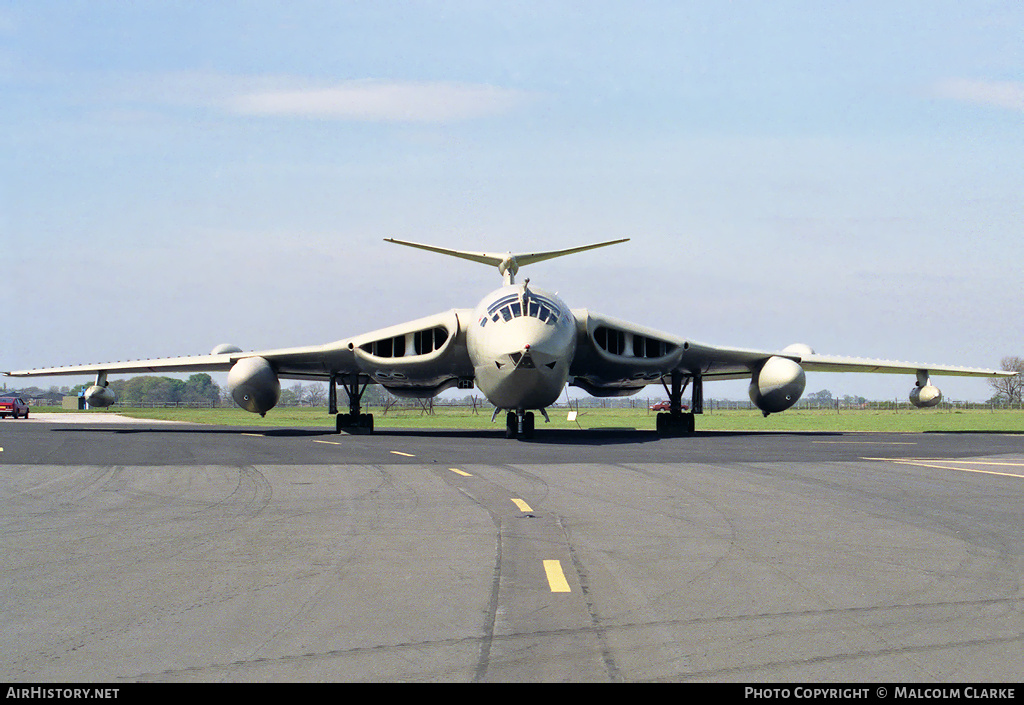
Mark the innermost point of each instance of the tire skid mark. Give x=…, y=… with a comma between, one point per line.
x=597, y=623
x=697, y=622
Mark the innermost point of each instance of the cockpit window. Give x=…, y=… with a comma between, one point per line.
x=514, y=306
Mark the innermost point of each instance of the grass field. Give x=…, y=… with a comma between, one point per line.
x=918, y=420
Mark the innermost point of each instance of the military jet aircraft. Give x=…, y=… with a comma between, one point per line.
x=520, y=345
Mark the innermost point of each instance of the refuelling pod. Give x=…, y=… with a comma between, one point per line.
x=99, y=396
x=925, y=394
x=777, y=385
x=254, y=385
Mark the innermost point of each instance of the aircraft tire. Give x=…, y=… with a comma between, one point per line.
x=528, y=424
x=354, y=423
x=670, y=425
x=511, y=425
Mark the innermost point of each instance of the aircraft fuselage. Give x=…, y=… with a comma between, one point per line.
x=521, y=342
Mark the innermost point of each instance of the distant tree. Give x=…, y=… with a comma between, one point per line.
x=375, y=395
x=291, y=396
x=201, y=388
x=1010, y=389
x=822, y=397
x=316, y=394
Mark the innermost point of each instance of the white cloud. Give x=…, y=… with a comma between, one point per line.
x=999, y=94
x=382, y=101
x=273, y=95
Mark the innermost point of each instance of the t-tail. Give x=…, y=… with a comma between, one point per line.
x=507, y=263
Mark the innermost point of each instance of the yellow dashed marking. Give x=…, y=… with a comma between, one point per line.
x=523, y=506
x=460, y=472
x=257, y=435
x=405, y=455
x=556, y=578
x=333, y=443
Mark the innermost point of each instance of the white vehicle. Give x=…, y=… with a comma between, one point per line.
x=520, y=345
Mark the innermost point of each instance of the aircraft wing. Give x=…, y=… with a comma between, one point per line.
x=828, y=363
x=414, y=357
x=615, y=357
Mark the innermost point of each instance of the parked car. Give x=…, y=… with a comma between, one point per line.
x=14, y=406
x=664, y=406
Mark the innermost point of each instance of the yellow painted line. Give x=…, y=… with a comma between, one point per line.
x=398, y=452
x=973, y=462
x=932, y=464
x=946, y=467
x=333, y=443
x=950, y=460
x=257, y=435
x=523, y=506
x=556, y=578
x=460, y=472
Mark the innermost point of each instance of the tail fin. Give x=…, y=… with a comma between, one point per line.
x=508, y=263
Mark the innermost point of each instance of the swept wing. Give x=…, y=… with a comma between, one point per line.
x=414, y=358
x=618, y=357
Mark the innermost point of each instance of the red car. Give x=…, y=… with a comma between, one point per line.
x=664, y=406
x=13, y=406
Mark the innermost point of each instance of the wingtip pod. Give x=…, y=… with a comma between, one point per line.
x=99, y=396
x=925, y=394
x=508, y=263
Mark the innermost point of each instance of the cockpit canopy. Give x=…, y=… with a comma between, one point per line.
x=519, y=304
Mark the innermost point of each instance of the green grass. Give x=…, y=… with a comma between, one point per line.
x=918, y=420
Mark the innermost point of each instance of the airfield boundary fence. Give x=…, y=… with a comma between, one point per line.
x=710, y=405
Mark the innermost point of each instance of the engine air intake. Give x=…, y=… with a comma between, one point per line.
x=618, y=342
x=420, y=342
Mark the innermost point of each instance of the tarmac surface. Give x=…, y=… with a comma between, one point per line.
x=173, y=552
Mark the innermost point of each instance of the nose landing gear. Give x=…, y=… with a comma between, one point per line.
x=519, y=424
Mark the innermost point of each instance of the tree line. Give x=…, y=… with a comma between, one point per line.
x=147, y=389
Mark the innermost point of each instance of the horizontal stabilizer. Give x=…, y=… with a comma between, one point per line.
x=507, y=263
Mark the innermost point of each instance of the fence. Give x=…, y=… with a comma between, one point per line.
x=710, y=405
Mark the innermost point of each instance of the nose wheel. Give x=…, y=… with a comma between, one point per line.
x=519, y=424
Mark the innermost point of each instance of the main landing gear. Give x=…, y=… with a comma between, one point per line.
x=353, y=421
x=670, y=424
x=675, y=422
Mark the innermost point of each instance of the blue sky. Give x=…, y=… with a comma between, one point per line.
x=848, y=175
